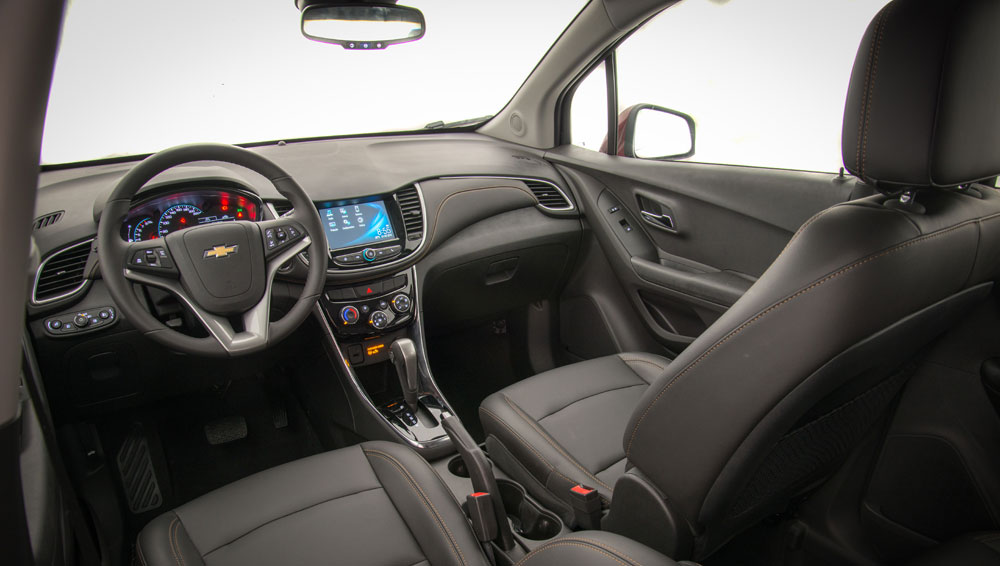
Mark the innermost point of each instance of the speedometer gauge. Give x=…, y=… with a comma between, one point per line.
x=178, y=217
x=145, y=229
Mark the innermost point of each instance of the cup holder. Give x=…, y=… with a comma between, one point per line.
x=457, y=467
x=525, y=517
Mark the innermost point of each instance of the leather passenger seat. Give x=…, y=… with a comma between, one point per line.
x=771, y=398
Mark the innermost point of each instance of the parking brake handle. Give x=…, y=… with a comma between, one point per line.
x=481, y=474
x=404, y=355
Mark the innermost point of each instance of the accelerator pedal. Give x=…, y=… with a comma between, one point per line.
x=135, y=467
x=226, y=430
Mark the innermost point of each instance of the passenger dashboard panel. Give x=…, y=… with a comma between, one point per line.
x=166, y=212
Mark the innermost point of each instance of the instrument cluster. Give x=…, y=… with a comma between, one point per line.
x=162, y=215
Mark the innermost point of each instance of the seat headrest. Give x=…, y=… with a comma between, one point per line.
x=923, y=105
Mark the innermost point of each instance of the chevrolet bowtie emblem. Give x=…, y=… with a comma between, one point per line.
x=221, y=251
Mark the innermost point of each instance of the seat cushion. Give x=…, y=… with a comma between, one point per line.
x=375, y=503
x=973, y=550
x=596, y=548
x=564, y=427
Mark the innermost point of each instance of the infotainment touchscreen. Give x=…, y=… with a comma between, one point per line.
x=353, y=225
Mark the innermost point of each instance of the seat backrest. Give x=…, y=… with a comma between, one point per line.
x=773, y=396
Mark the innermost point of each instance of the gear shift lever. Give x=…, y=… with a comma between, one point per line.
x=404, y=355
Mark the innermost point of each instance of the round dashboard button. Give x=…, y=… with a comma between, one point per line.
x=379, y=320
x=349, y=315
x=369, y=254
x=401, y=303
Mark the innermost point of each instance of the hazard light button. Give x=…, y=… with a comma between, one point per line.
x=368, y=290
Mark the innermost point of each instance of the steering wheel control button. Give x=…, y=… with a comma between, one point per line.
x=151, y=260
x=80, y=321
x=369, y=254
x=401, y=303
x=379, y=320
x=349, y=315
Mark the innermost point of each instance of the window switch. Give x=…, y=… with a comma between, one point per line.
x=625, y=225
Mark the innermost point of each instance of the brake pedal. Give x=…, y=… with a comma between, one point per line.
x=226, y=430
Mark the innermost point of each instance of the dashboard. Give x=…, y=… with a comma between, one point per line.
x=157, y=216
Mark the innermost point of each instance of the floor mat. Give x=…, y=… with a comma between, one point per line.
x=470, y=365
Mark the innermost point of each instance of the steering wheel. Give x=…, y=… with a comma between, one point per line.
x=223, y=272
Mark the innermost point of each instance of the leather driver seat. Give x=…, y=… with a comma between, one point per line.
x=377, y=503
x=770, y=399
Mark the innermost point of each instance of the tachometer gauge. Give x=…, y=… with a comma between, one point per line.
x=144, y=229
x=178, y=217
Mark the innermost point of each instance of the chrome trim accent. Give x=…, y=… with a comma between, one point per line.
x=381, y=266
x=256, y=321
x=535, y=179
x=67, y=294
x=423, y=370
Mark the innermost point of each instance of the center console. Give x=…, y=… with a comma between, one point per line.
x=372, y=325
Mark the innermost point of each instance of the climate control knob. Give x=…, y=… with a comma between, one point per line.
x=379, y=320
x=401, y=303
x=349, y=315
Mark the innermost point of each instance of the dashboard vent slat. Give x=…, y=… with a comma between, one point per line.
x=62, y=273
x=47, y=219
x=413, y=217
x=549, y=196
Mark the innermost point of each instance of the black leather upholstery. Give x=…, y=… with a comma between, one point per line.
x=921, y=104
x=377, y=503
x=595, y=548
x=564, y=427
x=975, y=550
x=772, y=397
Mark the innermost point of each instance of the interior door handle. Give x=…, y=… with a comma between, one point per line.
x=662, y=221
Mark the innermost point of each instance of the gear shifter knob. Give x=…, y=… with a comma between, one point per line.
x=404, y=355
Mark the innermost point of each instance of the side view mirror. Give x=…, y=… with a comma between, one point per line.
x=654, y=132
x=361, y=25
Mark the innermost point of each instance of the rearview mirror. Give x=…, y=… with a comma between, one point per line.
x=361, y=25
x=654, y=132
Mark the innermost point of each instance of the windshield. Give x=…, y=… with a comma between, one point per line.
x=137, y=76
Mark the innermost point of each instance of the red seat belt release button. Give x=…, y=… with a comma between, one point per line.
x=586, y=507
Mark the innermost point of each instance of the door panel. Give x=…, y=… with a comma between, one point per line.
x=708, y=232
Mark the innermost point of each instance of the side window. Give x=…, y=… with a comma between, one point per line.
x=589, y=110
x=758, y=83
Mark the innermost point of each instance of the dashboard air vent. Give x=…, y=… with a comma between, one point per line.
x=48, y=219
x=549, y=196
x=282, y=207
x=62, y=274
x=413, y=217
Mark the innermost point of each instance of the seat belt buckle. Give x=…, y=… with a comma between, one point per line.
x=484, y=520
x=586, y=504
